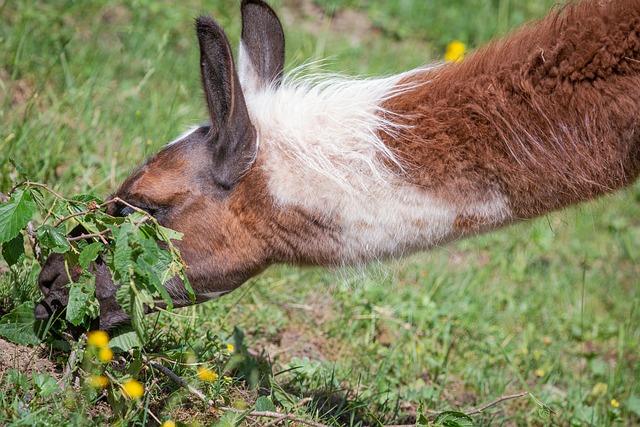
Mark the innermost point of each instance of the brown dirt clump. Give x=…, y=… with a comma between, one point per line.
x=26, y=360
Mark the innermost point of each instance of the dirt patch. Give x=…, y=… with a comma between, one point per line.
x=299, y=338
x=314, y=19
x=26, y=360
x=115, y=15
x=20, y=90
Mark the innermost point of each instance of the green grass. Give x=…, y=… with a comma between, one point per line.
x=88, y=90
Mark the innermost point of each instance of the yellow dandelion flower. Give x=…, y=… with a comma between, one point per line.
x=105, y=354
x=455, y=51
x=99, y=339
x=599, y=390
x=98, y=381
x=537, y=354
x=168, y=423
x=206, y=374
x=231, y=348
x=615, y=403
x=133, y=389
x=539, y=373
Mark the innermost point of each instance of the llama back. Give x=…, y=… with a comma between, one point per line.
x=544, y=118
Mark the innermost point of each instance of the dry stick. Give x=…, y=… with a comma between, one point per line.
x=182, y=383
x=496, y=401
x=46, y=187
x=276, y=421
x=284, y=416
x=33, y=241
x=270, y=414
x=89, y=236
x=71, y=362
x=267, y=414
x=278, y=417
x=91, y=209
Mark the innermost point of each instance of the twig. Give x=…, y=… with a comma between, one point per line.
x=68, y=217
x=284, y=416
x=99, y=235
x=496, y=401
x=46, y=187
x=277, y=415
x=157, y=420
x=71, y=362
x=33, y=241
x=92, y=207
x=182, y=383
x=267, y=414
x=276, y=421
x=489, y=405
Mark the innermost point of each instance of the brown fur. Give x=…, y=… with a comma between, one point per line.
x=236, y=236
x=549, y=116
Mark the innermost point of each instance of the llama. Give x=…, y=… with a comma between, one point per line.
x=333, y=171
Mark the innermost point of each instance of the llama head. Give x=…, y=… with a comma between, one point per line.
x=203, y=184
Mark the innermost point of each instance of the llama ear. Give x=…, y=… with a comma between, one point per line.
x=232, y=136
x=261, y=46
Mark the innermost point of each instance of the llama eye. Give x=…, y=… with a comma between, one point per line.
x=126, y=211
x=150, y=211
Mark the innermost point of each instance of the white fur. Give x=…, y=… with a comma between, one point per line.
x=321, y=150
x=185, y=134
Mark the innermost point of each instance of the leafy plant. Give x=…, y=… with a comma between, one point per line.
x=137, y=250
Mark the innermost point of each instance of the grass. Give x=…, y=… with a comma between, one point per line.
x=89, y=89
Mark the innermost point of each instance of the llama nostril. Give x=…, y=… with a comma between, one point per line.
x=46, y=284
x=41, y=312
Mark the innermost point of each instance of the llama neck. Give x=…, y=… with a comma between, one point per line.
x=322, y=149
x=523, y=127
x=534, y=118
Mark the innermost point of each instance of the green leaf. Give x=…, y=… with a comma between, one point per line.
x=264, y=404
x=89, y=254
x=187, y=285
x=123, y=255
x=544, y=412
x=13, y=250
x=19, y=380
x=230, y=419
x=124, y=339
x=421, y=420
x=53, y=239
x=19, y=168
x=137, y=315
x=286, y=400
x=168, y=233
x=44, y=384
x=15, y=214
x=82, y=302
x=18, y=326
x=152, y=278
x=453, y=419
x=36, y=193
x=633, y=404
